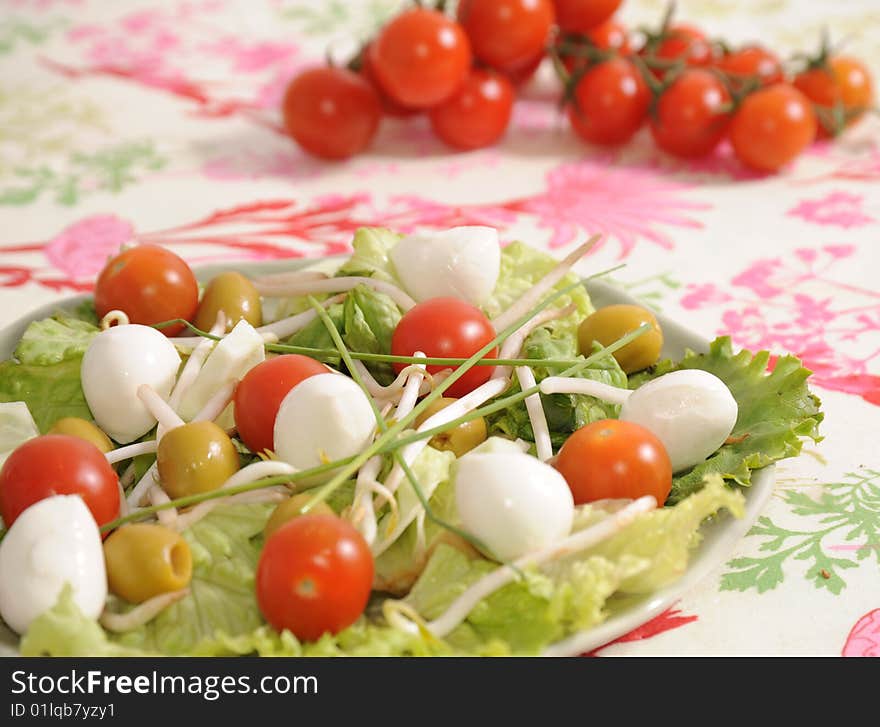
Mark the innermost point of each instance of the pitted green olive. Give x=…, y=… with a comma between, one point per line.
x=145, y=560
x=292, y=508
x=458, y=440
x=233, y=294
x=195, y=457
x=76, y=427
x=608, y=324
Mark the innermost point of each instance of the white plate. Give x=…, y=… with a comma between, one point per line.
x=719, y=536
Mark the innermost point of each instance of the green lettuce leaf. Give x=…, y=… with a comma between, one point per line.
x=565, y=412
x=16, y=427
x=369, y=322
x=55, y=339
x=664, y=537
x=527, y=615
x=315, y=334
x=398, y=567
x=523, y=266
x=776, y=412
x=371, y=257
x=50, y=392
x=225, y=548
x=64, y=631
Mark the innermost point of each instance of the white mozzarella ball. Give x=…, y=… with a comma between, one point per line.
x=55, y=541
x=461, y=262
x=116, y=363
x=513, y=502
x=323, y=418
x=691, y=411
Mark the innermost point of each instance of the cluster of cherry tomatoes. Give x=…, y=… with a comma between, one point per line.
x=692, y=91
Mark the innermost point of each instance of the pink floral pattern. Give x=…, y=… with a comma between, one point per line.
x=837, y=209
x=799, y=305
x=864, y=639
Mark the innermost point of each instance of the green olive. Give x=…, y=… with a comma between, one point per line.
x=233, y=294
x=292, y=508
x=458, y=440
x=195, y=457
x=144, y=560
x=608, y=324
x=76, y=427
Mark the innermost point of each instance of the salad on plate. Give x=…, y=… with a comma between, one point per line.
x=437, y=447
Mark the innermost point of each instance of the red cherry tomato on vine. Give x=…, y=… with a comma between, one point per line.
x=332, y=113
x=478, y=114
x=772, y=126
x=259, y=394
x=507, y=35
x=581, y=16
x=390, y=107
x=610, y=102
x=687, y=43
x=844, y=82
x=615, y=459
x=752, y=62
x=314, y=576
x=150, y=284
x=611, y=35
x=447, y=328
x=692, y=114
x=420, y=58
x=58, y=464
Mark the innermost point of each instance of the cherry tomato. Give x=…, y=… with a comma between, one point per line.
x=314, y=576
x=772, y=126
x=611, y=35
x=478, y=114
x=58, y=464
x=332, y=113
x=692, y=114
x=844, y=82
x=389, y=106
x=448, y=328
x=610, y=102
x=420, y=58
x=752, y=62
x=260, y=393
x=507, y=35
x=150, y=284
x=581, y=16
x=523, y=75
x=684, y=42
x=615, y=459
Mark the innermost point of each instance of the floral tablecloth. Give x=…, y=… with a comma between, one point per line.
x=159, y=121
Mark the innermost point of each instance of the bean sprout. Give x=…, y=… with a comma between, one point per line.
x=512, y=347
x=114, y=317
x=467, y=403
x=563, y=385
x=151, y=477
x=395, y=387
x=363, y=516
x=200, y=511
x=333, y=285
x=158, y=407
x=158, y=496
x=123, y=505
x=537, y=417
x=142, y=613
x=288, y=326
x=194, y=363
x=131, y=450
x=216, y=405
x=533, y=294
x=462, y=606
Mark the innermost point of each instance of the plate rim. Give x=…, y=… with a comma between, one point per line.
x=719, y=538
